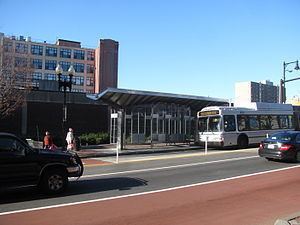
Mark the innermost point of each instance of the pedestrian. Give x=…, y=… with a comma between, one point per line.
x=48, y=141
x=70, y=140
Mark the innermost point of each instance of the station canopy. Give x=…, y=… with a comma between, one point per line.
x=125, y=98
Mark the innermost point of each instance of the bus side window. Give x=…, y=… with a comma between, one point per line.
x=229, y=123
x=291, y=122
x=242, y=123
x=265, y=123
x=274, y=122
x=283, y=122
x=253, y=122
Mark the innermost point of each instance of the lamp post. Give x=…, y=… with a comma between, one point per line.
x=282, y=92
x=64, y=83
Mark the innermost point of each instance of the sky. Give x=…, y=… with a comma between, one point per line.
x=193, y=47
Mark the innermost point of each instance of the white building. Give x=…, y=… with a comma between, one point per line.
x=250, y=91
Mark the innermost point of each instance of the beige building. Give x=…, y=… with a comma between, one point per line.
x=96, y=69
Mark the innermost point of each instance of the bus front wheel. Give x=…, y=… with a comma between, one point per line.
x=242, y=141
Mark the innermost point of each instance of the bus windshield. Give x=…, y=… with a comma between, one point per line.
x=210, y=124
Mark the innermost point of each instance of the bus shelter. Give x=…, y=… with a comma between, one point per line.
x=140, y=117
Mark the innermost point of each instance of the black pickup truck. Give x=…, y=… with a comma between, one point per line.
x=21, y=165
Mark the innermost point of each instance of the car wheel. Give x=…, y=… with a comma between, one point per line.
x=242, y=141
x=297, y=157
x=54, y=181
x=269, y=159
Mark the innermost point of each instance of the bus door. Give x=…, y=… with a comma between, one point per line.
x=230, y=131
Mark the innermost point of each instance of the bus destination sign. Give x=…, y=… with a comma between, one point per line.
x=209, y=113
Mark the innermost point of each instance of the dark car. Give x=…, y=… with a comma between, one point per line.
x=283, y=145
x=22, y=165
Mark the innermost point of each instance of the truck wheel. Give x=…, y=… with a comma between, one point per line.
x=242, y=141
x=54, y=181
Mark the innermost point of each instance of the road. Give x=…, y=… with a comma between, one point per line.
x=227, y=187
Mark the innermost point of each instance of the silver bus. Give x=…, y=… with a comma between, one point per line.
x=222, y=126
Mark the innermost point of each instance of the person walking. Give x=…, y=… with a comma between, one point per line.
x=70, y=140
x=48, y=141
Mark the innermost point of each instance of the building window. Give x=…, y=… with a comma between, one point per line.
x=90, y=55
x=79, y=67
x=49, y=76
x=65, y=65
x=65, y=77
x=78, y=54
x=50, y=51
x=37, y=49
x=50, y=64
x=36, y=76
x=65, y=53
x=78, y=80
x=21, y=48
x=37, y=63
x=35, y=79
x=8, y=46
x=90, y=68
x=20, y=62
x=89, y=81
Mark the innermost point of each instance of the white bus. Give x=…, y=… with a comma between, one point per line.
x=223, y=126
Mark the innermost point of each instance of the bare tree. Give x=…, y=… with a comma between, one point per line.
x=15, y=81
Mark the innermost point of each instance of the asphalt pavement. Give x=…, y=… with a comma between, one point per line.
x=107, y=150
x=211, y=188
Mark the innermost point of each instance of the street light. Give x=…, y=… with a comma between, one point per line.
x=64, y=83
x=282, y=94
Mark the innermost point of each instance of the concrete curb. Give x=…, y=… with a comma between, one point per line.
x=293, y=219
x=110, y=152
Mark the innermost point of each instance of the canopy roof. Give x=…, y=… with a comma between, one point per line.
x=125, y=98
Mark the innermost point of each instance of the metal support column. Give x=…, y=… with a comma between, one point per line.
x=151, y=124
x=120, y=130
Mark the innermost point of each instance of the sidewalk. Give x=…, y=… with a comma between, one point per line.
x=110, y=149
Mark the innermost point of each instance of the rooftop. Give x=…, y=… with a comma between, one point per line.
x=67, y=43
x=122, y=98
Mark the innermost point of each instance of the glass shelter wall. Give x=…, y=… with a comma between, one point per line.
x=158, y=123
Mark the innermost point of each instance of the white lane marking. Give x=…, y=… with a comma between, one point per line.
x=146, y=193
x=168, y=167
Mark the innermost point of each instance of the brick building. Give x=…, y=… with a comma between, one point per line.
x=96, y=69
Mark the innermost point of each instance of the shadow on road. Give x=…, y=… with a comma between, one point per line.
x=75, y=188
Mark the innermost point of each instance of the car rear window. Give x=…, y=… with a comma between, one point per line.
x=282, y=137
